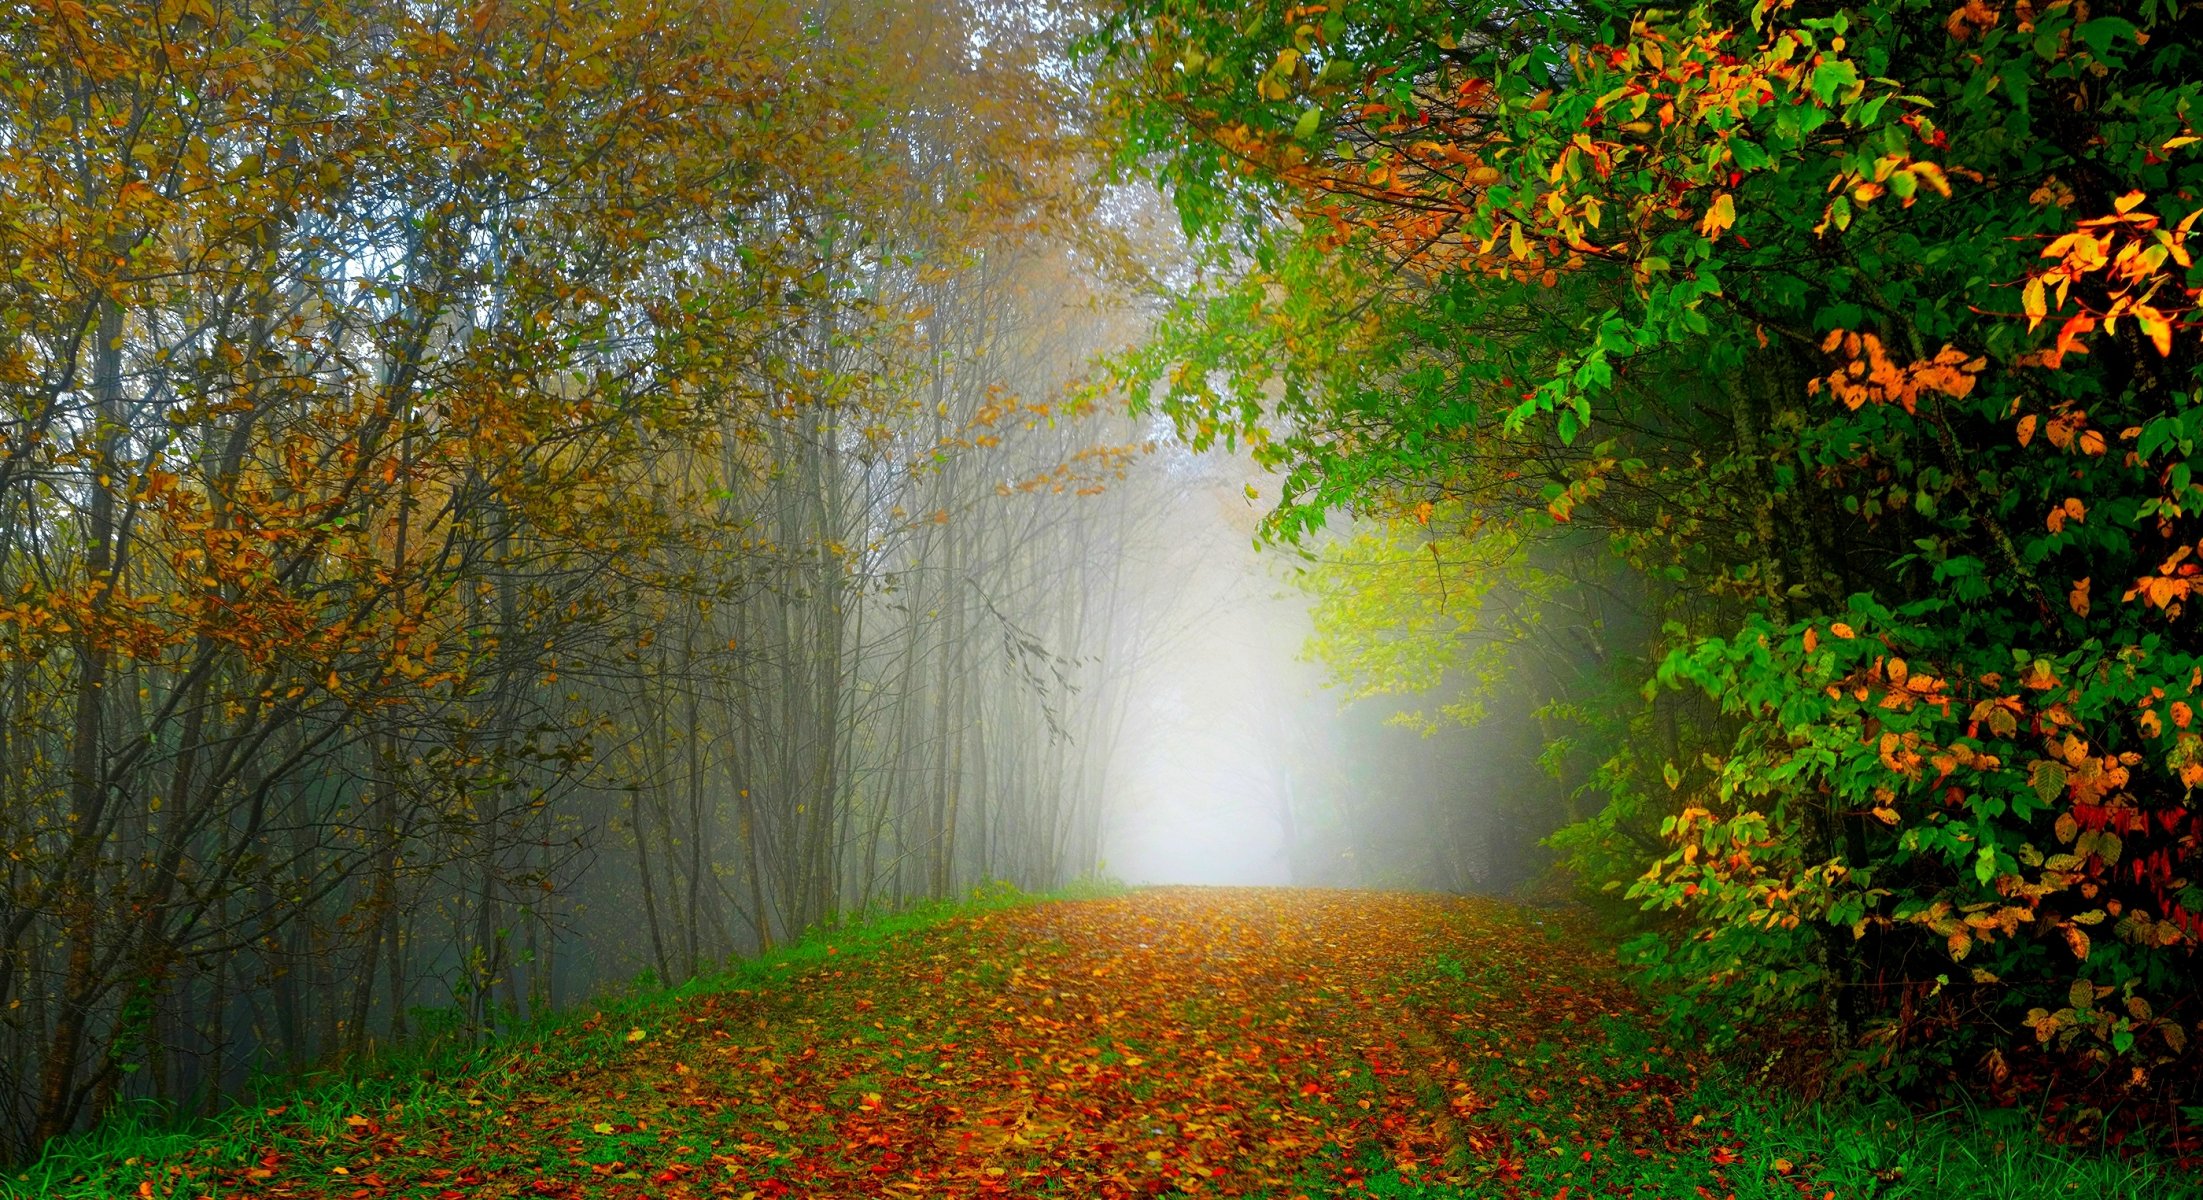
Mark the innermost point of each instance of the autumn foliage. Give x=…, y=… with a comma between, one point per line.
x=1862, y=340
x=447, y=449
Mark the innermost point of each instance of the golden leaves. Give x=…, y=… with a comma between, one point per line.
x=2068, y=430
x=2077, y=939
x=2130, y=251
x=1971, y=18
x=2171, y=585
x=1720, y=215
x=1872, y=377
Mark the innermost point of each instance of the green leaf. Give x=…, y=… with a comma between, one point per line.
x=2047, y=778
x=2102, y=32
x=1833, y=78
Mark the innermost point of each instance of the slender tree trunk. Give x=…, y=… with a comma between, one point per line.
x=87, y=788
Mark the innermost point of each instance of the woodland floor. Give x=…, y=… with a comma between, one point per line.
x=1232, y=1042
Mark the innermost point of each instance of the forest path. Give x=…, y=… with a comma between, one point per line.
x=1245, y=1042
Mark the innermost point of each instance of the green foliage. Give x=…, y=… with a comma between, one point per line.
x=1864, y=338
x=1404, y=613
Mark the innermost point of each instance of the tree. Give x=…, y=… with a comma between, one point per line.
x=1861, y=337
x=459, y=472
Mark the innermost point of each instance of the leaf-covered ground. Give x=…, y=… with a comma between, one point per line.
x=1241, y=1042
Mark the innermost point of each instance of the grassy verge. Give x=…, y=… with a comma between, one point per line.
x=1610, y=1106
x=410, y=1084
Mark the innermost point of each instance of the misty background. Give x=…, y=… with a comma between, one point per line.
x=474, y=551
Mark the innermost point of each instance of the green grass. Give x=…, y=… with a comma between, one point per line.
x=436, y=1079
x=1740, y=1142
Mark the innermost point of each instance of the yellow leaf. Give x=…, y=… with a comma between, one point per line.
x=1720, y=216
x=2126, y=204
x=2031, y=299
x=2156, y=328
x=2077, y=939
x=1842, y=630
x=2027, y=429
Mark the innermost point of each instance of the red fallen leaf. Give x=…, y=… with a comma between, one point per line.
x=1139, y=956
x=1724, y=1156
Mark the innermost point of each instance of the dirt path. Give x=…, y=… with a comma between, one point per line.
x=1242, y=1042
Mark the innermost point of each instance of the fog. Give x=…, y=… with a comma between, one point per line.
x=421, y=626
x=1203, y=789
x=1240, y=762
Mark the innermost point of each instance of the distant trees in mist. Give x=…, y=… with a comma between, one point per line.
x=497, y=498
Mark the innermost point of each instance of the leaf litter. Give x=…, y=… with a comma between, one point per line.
x=1204, y=1041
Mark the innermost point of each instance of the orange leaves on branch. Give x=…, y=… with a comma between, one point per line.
x=1872, y=377
x=2171, y=585
x=1972, y=18
x=2066, y=430
x=1720, y=215
x=2114, y=267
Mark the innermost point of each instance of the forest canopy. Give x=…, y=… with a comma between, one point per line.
x=1799, y=399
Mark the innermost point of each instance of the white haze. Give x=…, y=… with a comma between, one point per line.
x=1218, y=721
